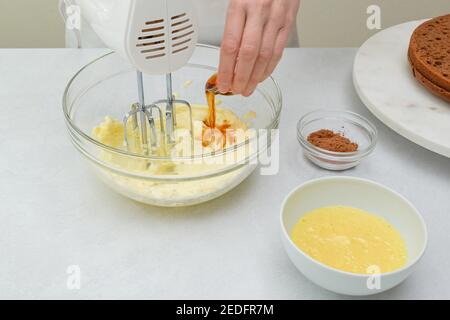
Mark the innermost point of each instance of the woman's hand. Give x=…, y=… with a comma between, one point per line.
x=256, y=33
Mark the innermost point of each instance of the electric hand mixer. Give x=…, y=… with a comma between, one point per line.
x=157, y=37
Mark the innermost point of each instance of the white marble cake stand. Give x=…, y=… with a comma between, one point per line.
x=384, y=82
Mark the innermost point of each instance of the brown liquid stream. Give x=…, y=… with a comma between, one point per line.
x=210, y=134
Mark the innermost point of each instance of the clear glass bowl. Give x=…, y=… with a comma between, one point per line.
x=353, y=126
x=107, y=87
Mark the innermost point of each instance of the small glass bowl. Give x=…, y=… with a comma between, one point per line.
x=353, y=126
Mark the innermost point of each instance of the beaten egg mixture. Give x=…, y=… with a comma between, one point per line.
x=350, y=239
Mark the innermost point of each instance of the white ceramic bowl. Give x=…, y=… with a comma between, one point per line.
x=366, y=195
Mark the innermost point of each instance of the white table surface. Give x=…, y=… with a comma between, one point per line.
x=53, y=214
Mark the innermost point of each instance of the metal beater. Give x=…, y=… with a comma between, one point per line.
x=157, y=37
x=147, y=120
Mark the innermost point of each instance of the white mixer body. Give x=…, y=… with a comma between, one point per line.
x=156, y=36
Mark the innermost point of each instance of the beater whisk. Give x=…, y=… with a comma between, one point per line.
x=156, y=37
x=152, y=139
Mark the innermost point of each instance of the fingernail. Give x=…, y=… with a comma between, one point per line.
x=223, y=88
x=249, y=91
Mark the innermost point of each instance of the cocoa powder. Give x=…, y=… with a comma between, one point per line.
x=332, y=141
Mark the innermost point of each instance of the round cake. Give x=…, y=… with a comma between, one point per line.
x=429, y=55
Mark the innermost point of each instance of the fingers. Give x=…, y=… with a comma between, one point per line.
x=256, y=34
x=250, y=47
x=280, y=44
x=264, y=57
x=234, y=29
x=282, y=38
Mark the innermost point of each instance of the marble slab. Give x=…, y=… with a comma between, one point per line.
x=384, y=82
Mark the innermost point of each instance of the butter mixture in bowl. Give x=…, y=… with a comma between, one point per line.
x=99, y=95
x=111, y=132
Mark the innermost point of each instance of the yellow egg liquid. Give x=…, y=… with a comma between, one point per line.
x=351, y=240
